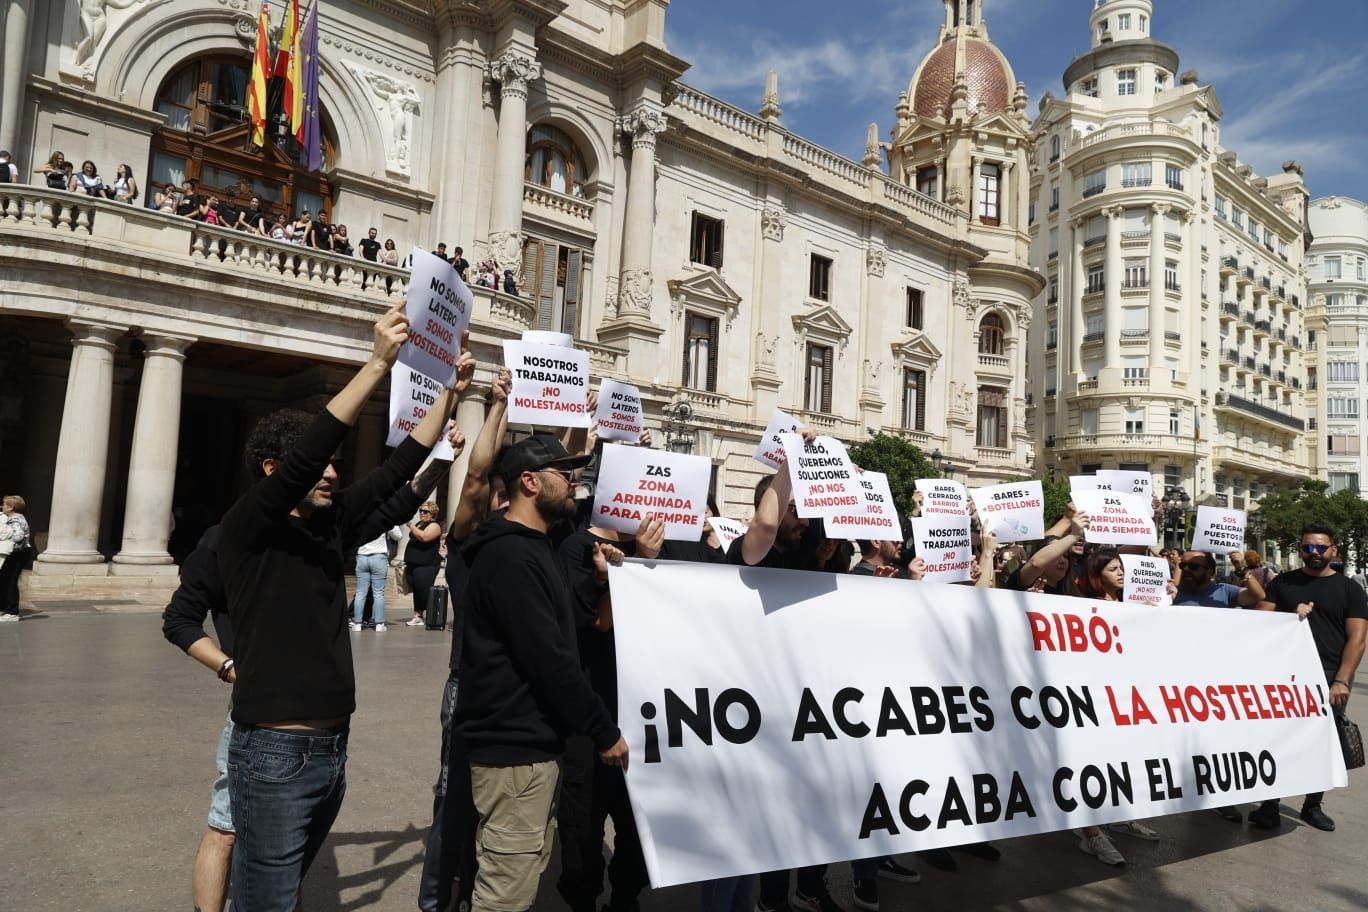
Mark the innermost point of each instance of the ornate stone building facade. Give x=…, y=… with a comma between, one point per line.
x=1171, y=331
x=722, y=263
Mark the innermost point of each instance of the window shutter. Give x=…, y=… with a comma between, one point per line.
x=688, y=344
x=921, y=399
x=695, y=242
x=826, y=380
x=715, y=261
x=1002, y=428
x=712, y=354
x=546, y=288
x=570, y=319
x=531, y=268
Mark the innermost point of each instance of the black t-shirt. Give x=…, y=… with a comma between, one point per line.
x=318, y=235
x=189, y=205
x=420, y=553
x=370, y=248
x=1337, y=598
x=461, y=264
x=253, y=219
x=775, y=559
x=341, y=247
x=1014, y=583
x=441, y=256
x=697, y=552
x=597, y=648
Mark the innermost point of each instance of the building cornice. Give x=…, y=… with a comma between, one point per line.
x=111, y=111
x=1120, y=53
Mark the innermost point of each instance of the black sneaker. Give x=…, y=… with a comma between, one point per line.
x=822, y=901
x=1231, y=813
x=1317, y=818
x=985, y=850
x=940, y=859
x=867, y=894
x=1266, y=817
x=889, y=868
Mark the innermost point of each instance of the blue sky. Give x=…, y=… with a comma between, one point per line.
x=1292, y=85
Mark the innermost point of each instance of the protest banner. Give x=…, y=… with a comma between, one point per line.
x=942, y=497
x=823, y=476
x=771, y=451
x=1219, y=531
x=876, y=518
x=438, y=310
x=619, y=415
x=728, y=530
x=412, y=393
x=1116, y=518
x=1013, y=512
x=1138, y=483
x=945, y=544
x=635, y=481
x=542, y=337
x=550, y=384
x=777, y=718
x=1147, y=580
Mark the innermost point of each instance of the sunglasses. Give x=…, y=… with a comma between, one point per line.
x=567, y=474
x=1194, y=567
x=421, y=512
x=1316, y=549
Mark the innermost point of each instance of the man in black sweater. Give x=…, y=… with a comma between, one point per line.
x=280, y=560
x=522, y=690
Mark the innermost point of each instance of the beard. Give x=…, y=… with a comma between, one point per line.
x=554, y=508
x=1315, y=561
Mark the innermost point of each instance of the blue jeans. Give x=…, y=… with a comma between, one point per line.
x=286, y=789
x=372, y=571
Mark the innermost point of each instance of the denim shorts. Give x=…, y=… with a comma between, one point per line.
x=220, y=804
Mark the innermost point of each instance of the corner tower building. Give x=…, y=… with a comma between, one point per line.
x=1170, y=338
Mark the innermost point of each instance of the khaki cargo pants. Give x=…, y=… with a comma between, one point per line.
x=517, y=813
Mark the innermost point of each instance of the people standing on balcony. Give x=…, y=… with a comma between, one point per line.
x=320, y=234
x=9, y=172
x=341, y=244
x=462, y=265
x=510, y=284
x=252, y=219
x=441, y=253
x=88, y=181
x=280, y=231
x=370, y=247
x=390, y=257
x=168, y=199
x=53, y=172
x=192, y=205
x=303, y=226
x=488, y=276
x=211, y=215
x=123, y=189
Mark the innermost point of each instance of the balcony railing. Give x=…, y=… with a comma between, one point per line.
x=1094, y=336
x=997, y=362
x=1135, y=283
x=1230, y=264
x=1093, y=190
x=1229, y=356
x=1230, y=308
x=1094, y=241
x=1135, y=334
x=1241, y=404
x=1129, y=182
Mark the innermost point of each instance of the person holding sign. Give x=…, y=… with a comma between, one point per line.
x=1048, y=569
x=1197, y=585
x=522, y=688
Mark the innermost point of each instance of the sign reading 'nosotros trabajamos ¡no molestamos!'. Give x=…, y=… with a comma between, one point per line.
x=946, y=547
x=550, y=385
x=938, y=715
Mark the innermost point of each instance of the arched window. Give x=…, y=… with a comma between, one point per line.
x=207, y=138
x=990, y=335
x=555, y=162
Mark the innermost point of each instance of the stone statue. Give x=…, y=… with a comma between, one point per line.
x=634, y=295
x=772, y=222
x=94, y=23
x=871, y=371
x=764, y=350
x=397, y=103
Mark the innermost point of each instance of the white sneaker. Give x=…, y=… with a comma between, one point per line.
x=379, y=628
x=415, y=622
x=354, y=625
x=1135, y=828
x=8, y=618
x=1101, y=847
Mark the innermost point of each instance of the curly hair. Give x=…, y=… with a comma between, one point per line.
x=274, y=436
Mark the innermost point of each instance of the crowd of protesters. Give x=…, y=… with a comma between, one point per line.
x=530, y=741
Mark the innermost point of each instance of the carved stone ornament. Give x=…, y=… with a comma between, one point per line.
x=876, y=261
x=643, y=125
x=634, y=292
x=505, y=248
x=396, y=103
x=514, y=71
x=773, y=221
x=1025, y=312
x=872, y=369
x=765, y=347
x=95, y=23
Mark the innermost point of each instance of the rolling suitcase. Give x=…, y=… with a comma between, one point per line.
x=435, y=612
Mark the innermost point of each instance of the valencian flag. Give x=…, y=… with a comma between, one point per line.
x=310, y=132
x=261, y=69
x=287, y=67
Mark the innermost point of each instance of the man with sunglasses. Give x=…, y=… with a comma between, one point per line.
x=1337, y=610
x=1197, y=585
x=522, y=689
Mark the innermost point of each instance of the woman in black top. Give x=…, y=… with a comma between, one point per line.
x=52, y=172
x=422, y=558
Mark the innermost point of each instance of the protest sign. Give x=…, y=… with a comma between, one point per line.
x=823, y=476
x=542, y=337
x=771, y=451
x=945, y=544
x=619, y=415
x=1219, y=531
x=1147, y=580
x=1139, y=483
x=550, y=384
x=942, y=497
x=635, y=481
x=1116, y=518
x=876, y=518
x=932, y=716
x=728, y=530
x=438, y=311
x=1089, y=483
x=411, y=395
x=1013, y=512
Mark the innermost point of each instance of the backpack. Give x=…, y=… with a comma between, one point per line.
x=6, y=175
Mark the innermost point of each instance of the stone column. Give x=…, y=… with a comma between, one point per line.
x=1112, y=342
x=514, y=71
x=971, y=204
x=1157, y=306
x=152, y=465
x=14, y=77
x=643, y=124
x=470, y=413
x=1077, y=285
x=82, y=448
x=1006, y=204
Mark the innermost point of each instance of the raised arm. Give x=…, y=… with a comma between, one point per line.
x=759, y=537
x=1044, y=557
x=474, y=505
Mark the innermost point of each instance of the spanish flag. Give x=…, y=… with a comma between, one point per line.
x=261, y=69
x=287, y=66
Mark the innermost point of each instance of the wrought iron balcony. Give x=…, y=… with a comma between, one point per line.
x=1245, y=406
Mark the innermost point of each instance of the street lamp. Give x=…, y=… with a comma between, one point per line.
x=943, y=465
x=1175, y=508
x=679, y=437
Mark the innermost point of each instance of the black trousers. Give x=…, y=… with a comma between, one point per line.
x=420, y=580
x=592, y=792
x=449, y=853
x=774, y=885
x=9, y=580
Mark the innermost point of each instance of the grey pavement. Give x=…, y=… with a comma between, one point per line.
x=107, y=735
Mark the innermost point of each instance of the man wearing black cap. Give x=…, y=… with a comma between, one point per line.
x=522, y=689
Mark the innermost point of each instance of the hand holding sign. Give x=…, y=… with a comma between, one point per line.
x=770, y=452
x=1147, y=580
x=549, y=384
x=1012, y=512
x=438, y=311
x=1219, y=531
x=636, y=485
x=945, y=546
x=390, y=333
x=618, y=414
x=822, y=475
x=942, y=497
x=1116, y=517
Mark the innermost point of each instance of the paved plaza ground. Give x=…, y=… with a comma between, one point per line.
x=107, y=734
